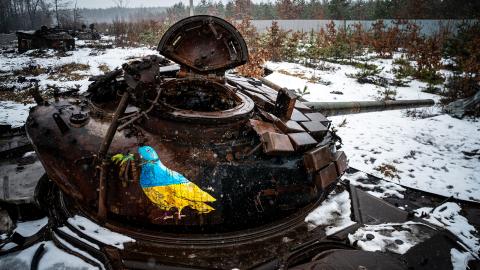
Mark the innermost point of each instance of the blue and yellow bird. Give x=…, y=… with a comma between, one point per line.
x=169, y=189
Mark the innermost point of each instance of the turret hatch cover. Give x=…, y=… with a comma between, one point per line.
x=205, y=44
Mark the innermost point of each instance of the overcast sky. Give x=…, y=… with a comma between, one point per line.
x=136, y=3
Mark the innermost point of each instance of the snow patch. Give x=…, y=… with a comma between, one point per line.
x=29, y=228
x=53, y=258
x=460, y=259
x=393, y=237
x=448, y=216
x=334, y=213
x=99, y=233
x=14, y=114
x=67, y=230
x=381, y=189
x=79, y=251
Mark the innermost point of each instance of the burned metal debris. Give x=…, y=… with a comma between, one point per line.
x=45, y=38
x=87, y=34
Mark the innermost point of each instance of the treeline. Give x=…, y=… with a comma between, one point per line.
x=335, y=9
x=23, y=14
x=32, y=14
x=101, y=15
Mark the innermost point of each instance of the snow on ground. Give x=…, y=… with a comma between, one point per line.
x=99, y=233
x=15, y=113
x=381, y=189
x=112, y=58
x=334, y=213
x=393, y=237
x=425, y=153
x=53, y=258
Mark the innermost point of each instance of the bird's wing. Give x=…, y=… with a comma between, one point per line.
x=190, y=191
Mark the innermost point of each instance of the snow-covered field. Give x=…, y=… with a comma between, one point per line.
x=426, y=152
x=15, y=113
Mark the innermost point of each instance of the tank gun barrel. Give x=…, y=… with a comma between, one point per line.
x=354, y=107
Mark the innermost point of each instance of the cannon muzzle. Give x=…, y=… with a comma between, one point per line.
x=354, y=107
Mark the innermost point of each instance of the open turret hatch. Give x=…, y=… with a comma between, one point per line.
x=204, y=44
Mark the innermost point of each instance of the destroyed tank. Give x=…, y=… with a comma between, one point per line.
x=203, y=169
x=261, y=157
x=45, y=38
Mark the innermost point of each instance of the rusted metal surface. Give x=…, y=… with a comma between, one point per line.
x=326, y=176
x=317, y=129
x=318, y=117
x=275, y=143
x=341, y=161
x=288, y=126
x=318, y=158
x=205, y=44
x=285, y=103
x=302, y=141
x=45, y=38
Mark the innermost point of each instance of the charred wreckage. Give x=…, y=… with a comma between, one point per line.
x=245, y=162
x=54, y=38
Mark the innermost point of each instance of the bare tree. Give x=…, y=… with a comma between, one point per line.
x=76, y=15
x=121, y=3
x=32, y=6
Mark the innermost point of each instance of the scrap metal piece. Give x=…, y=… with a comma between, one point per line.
x=275, y=143
x=298, y=116
x=317, y=158
x=79, y=119
x=302, y=141
x=285, y=103
x=192, y=43
x=288, y=126
x=60, y=123
x=316, y=129
x=326, y=176
x=261, y=127
x=318, y=117
x=341, y=162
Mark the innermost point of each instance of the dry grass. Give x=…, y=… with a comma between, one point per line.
x=104, y=68
x=21, y=96
x=30, y=71
x=388, y=170
x=69, y=72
